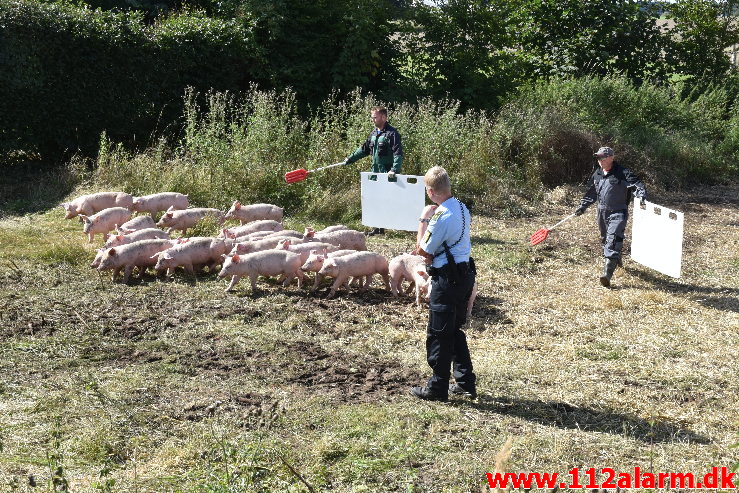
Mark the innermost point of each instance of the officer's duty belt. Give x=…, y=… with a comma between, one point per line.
x=462, y=268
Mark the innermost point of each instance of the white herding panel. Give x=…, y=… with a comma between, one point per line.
x=657, y=238
x=392, y=204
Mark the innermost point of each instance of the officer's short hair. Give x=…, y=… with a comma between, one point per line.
x=438, y=179
x=379, y=109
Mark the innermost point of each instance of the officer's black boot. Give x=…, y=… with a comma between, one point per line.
x=608, y=267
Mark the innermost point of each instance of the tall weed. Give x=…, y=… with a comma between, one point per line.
x=240, y=146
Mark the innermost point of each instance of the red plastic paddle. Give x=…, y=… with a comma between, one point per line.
x=301, y=174
x=542, y=234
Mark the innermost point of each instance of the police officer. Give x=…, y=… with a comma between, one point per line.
x=611, y=186
x=384, y=145
x=446, y=246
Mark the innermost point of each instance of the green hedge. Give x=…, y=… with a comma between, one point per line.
x=68, y=73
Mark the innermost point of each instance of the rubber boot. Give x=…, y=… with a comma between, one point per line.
x=608, y=267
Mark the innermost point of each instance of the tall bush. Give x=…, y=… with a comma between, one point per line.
x=240, y=147
x=68, y=73
x=670, y=140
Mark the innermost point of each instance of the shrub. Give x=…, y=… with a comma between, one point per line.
x=240, y=147
x=68, y=73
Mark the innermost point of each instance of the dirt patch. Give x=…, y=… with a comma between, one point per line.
x=349, y=379
x=223, y=360
x=257, y=410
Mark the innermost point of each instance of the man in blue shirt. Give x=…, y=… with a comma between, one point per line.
x=446, y=246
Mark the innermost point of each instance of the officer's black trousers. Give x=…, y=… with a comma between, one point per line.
x=446, y=343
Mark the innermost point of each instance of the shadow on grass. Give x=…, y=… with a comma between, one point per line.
x=33, y=187
x=487, y=308
x=564, y=415
x=667, y=284
x=479, y=240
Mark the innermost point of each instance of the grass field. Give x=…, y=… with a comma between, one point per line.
x=178, y=386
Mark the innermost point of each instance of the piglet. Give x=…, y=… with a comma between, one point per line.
x=256, y=246
x=304, y=249
x=328, y=229
x=118, y=240
x=191, y=253
x=422, y=282
x=185, y=219
x=254, y=212
x=104, y=221
x=135, y=224
x=297, y=236
x=252, y=227
x=160, y=202
x=347, y=239
x=315, y=260
x=355, y=265
x=96, y=202
x=127, y=257
x=264, y=263
x=405, y=268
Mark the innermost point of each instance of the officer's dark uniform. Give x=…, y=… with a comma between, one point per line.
x=612, y=191
x=446, y=343
x=385, y=148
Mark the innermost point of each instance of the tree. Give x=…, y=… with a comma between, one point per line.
x=593, y=37
x=318, y=46
x=702, y=32
x=460, y=49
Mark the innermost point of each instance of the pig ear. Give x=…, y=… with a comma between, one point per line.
x=224, y=256
x=422, y=273
x=237, y=204
x=82, y=217
x=119, y=237
x=112, y=252
x=235, y=259
x=169, y=214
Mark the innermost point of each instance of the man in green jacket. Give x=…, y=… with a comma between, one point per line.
x=384, y=145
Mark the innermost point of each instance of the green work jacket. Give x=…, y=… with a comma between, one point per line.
x=385, y=148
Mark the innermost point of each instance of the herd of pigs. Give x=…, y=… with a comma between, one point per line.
x=259, y=246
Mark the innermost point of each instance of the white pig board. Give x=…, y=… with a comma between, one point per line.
x=392, y=204
x=657, y=238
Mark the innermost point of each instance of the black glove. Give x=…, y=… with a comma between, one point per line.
x=643, y=201
x=579, y=211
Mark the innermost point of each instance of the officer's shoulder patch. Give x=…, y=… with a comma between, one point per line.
x=427, y=236
x=437, y=215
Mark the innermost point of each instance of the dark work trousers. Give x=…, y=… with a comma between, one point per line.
x=612, y=225
x=445, y=340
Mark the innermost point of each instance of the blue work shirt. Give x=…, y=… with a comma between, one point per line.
x=450, y=221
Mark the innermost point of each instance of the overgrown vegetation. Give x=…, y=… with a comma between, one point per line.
x=240, y=147
x=68, y=72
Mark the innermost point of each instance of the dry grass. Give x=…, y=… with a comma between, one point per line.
x=177, y=386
